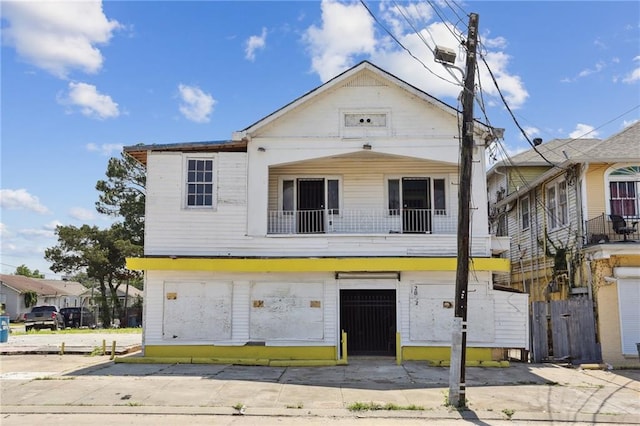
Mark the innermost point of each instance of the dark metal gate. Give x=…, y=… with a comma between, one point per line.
x=369, y=319
x=564, y=331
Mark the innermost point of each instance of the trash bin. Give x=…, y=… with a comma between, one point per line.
x=4, y=328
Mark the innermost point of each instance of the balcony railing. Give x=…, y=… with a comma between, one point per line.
x=599, y=230
x=388, y=221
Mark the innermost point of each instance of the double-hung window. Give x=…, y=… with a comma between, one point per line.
x=624, y=191
x=524, y=213
x=557, y=204
x=200, y=183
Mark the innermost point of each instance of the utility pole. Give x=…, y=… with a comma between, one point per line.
x=457, y=386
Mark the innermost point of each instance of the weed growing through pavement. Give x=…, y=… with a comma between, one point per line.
x=508, y=412
x=374, y=406
x=54, y=378
x=298, y=405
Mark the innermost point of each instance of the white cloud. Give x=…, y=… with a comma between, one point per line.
x=596, y=69
x=106, y=149
x=80, y=213
x=583, y=131
x=4, y=232
x=20, y=199
x=91, y=102
x=196, y=104
x=58, y=36
x=51, y=226
x=634, y=75
x=347, y=30
x=39, y=233
x=530, y=131
x=254, y=43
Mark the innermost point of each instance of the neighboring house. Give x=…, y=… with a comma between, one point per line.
x=49, y=292
x=69, y=293
x=131, y=295
x=337, y=212
x=565, y=247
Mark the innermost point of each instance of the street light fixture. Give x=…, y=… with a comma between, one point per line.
x=444, y=55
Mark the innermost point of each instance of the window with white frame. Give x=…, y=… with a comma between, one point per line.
x=524, y=212
x=624, y=191
x=557, y=204
x=200, y=183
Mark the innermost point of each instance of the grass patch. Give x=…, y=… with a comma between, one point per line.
x=374, y=406
x=54, y=378
x=96, y=351
x=130, y=330
x=299, y=405
x=508, y=412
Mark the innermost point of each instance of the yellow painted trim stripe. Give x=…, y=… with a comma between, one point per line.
x=308, y=264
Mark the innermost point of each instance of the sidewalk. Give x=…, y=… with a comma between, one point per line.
x=81, y=385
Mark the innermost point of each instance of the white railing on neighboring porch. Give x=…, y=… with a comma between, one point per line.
x=394, y=221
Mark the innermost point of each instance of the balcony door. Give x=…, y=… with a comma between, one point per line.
x=311, y=199
x=416, y=205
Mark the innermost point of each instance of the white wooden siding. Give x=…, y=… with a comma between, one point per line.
x=431, y=321
x=323, y=117
x=208, y=305
x=286, y=311
x=496, y=319
x=174, y=230
x=171, y=228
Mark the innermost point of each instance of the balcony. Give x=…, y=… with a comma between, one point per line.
x=361, y=221
x=599, y=230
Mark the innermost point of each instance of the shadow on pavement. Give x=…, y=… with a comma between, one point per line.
x=368, y=373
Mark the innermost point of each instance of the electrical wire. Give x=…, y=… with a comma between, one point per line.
x=400, y=43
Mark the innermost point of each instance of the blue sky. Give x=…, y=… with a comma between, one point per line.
x=84, y=78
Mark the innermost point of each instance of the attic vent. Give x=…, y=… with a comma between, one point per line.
x=365, y=120
x=364, y=81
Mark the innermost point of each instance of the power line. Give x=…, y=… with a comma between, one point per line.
x=400, y=43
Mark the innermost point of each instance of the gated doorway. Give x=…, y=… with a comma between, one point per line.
x=369, y=319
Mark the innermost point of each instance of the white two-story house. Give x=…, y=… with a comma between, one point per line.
x=327, y=228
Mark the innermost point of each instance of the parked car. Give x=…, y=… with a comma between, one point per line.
x=44, y=316
x=78, y=317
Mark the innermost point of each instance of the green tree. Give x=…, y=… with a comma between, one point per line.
x=101, y=254
x=123, y=195
x=25, y=271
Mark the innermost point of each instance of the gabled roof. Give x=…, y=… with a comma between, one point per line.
x=624, y=146
x=22, y=284
x=621, y=147
x=240, y=139
x=71, y=288
x=336, y=82
x=557, y=151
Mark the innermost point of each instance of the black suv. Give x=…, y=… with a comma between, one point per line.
x=78, y=317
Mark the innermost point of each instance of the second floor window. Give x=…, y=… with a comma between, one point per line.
x=199, y=183
x=557, y=205
x=524, y=212
x=624, y=198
